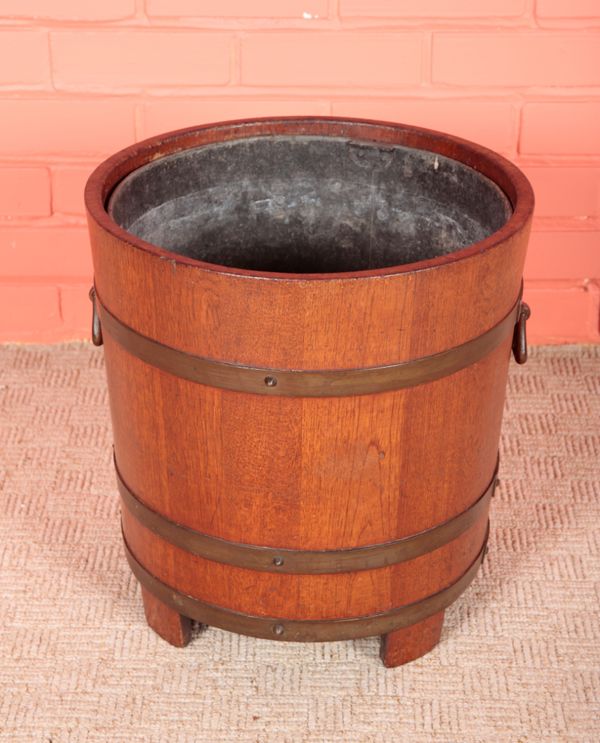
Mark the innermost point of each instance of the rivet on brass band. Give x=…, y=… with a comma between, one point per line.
x=304, y=630
x=277, y=560
x=306, y=382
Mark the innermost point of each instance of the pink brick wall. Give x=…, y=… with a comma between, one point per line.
x=79, y=80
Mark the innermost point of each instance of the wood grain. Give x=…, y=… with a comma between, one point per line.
x=166, y=622
x=409, y=643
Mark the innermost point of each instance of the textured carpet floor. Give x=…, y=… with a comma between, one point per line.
x=519, y=659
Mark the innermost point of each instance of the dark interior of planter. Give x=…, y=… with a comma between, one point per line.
x=308, y=204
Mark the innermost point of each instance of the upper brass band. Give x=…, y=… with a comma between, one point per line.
x=275, y=560
x=300, y=382
x=304, y=630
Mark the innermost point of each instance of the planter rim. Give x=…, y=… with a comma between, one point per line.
x=507, y=176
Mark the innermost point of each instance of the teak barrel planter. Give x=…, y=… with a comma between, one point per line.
x=307, y=326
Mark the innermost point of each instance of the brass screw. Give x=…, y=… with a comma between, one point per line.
x=271, y=381
x=278, y=561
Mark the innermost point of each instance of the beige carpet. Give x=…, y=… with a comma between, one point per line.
x=519, y=659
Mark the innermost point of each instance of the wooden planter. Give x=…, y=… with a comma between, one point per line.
x=307, y=377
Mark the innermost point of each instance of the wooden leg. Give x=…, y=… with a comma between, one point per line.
x=409, y=643
x=165, y=621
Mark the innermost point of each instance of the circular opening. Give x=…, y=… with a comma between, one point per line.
x=308, y=204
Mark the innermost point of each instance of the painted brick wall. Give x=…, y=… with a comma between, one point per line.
x=80, y=79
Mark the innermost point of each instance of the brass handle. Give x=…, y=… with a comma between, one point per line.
x=519, y=345
x=96, y=327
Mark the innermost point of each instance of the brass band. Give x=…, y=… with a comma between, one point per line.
x=304, y=630
x=275, y=560
x=300, y=382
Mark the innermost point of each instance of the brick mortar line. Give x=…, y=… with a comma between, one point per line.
x=567, y=224
x=333, y=10
x=37, y=280
x=138, y=121
x=55, y=221
x=235, y=62
x=427, y=62
x=563, y=285
x=414, y=91
x=140, y=10
x=492, y=26
x=558, y=161
x=520, y=129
